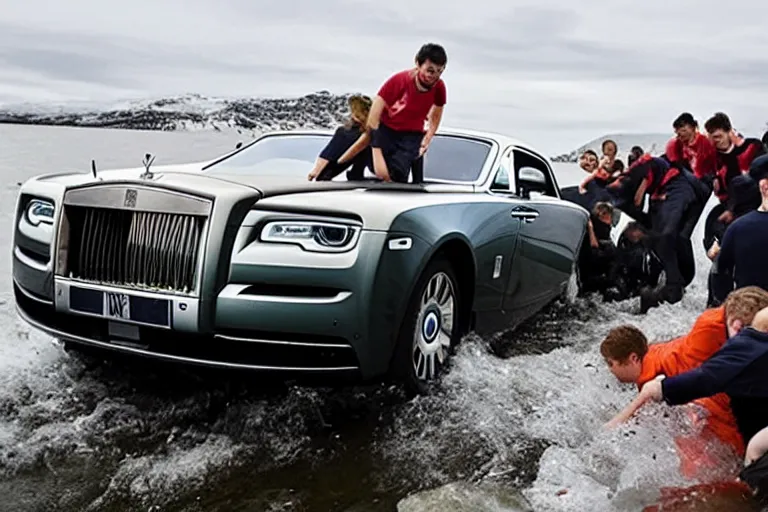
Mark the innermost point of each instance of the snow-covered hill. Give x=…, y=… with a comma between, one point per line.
x=196, y=112
x=653, y=143
x=190, y=112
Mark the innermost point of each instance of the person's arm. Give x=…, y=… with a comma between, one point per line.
x=726, y=259
x=434, y=117
x=320, y=163
x=362, y=141
x=593, y=242
x=374, y=115
x=628, y=411
x=711, y=378
x=583, y=185
x=640, y=192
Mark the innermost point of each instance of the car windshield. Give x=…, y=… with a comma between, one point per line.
x=449, y=157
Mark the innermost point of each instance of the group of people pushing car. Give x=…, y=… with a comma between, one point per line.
x=676, y=186
x=722, y=363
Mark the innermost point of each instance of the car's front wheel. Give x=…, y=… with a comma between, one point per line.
x=430, y=328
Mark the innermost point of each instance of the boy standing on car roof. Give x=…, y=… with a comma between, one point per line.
x=399, y=111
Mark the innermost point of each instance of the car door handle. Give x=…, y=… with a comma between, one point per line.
x=525, y=213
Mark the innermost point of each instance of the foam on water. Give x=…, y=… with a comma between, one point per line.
x=520, y=411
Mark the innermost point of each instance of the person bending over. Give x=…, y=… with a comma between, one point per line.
x=674, y=212
x=348, y=146
x=632, y=360
x=400, y=110
x=738, y=369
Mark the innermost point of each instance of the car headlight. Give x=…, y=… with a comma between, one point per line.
x=39, y=211
x=312, y=236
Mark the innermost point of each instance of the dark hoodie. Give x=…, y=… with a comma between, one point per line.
x=738, y=369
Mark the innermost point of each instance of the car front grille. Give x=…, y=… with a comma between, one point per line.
x=136, y=249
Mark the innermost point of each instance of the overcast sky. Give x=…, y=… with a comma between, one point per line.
x=555, y=73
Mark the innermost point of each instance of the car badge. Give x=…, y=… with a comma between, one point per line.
x=131, y=195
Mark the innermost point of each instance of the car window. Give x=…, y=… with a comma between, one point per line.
x=526, y=159
x=284, y=154
x=455, y=158
x=449, y=157
x=501, y=177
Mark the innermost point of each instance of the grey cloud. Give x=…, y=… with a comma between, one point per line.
x=119, y=61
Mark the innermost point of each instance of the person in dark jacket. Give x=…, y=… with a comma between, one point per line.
x=348, y=146
x=675, y=207
x=744, y=251
x=737, y=369
x=744, y=197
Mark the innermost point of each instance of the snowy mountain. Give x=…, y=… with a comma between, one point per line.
x=196, y=112
x=653, y=143
x=190, y=112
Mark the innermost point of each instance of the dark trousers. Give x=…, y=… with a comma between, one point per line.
x=400, y=150
x=673, y=219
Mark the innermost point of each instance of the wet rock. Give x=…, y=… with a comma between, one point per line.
x=465, y=497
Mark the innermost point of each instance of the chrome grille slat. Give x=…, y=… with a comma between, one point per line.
x=146, y=250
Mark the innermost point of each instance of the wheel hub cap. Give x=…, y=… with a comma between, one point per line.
x=434, y=327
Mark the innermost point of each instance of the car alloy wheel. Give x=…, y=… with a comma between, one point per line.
x=433, y=331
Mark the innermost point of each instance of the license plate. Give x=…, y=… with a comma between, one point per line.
x=119, y=306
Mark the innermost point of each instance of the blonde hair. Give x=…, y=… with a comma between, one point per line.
x=760, y=322
x=359, y=107
x=744, y=303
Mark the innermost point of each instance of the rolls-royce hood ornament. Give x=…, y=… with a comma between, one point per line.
x=147, y=174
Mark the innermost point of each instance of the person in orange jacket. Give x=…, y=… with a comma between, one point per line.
x=632, y=360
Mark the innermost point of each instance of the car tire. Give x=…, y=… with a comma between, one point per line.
x=430, y=330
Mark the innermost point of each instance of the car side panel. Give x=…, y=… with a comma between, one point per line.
x=487, y=229
x=548, y=247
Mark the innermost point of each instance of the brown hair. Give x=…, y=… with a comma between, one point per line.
x=359, y=106
x=601, y=208
x=611, y=142
x=744, y=303
x=622, y=341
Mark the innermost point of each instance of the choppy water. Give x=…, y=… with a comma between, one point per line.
x=517, y=425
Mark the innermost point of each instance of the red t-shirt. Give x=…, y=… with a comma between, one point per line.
x=700, y=154
x=407, y=107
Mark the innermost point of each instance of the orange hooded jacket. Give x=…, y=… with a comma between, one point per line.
x=679, y=355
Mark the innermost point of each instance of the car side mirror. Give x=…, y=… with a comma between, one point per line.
x=530, y=181
x=532, y=177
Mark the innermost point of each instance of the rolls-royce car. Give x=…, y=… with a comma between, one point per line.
x=242, y=263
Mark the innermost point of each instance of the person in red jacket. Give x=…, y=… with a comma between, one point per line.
x=692, y=149
x=399, y=113
x=734, y=156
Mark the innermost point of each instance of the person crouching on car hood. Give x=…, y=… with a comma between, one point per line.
x=403, y=104
x=348, y=146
